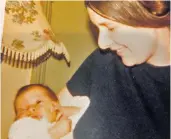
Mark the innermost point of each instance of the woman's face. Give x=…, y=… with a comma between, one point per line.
x=133, y=45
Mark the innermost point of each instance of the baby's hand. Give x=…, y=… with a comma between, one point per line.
x=60, y=129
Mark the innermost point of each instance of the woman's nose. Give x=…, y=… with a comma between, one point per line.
x=104, y=40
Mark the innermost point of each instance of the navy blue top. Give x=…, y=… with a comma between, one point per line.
x=125, y=102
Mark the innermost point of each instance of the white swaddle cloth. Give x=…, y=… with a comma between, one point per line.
x=29, y=128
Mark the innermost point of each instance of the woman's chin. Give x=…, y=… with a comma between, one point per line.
x=128, y=63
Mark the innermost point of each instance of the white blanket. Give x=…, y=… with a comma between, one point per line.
x=28, y=128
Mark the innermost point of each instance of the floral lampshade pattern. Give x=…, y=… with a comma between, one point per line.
x=27, y=38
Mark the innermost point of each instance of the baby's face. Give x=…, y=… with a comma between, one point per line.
x=37, y=105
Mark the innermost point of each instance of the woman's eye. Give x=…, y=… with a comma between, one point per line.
x=111, y=29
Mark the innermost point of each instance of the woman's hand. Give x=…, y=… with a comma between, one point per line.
x=61, y=128
x=70, y=110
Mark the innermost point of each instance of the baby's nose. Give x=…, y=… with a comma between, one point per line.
x=35, y=115
x=32, y=109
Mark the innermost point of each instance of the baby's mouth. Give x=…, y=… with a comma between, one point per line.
x=36, y=117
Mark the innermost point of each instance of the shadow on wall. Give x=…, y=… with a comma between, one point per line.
x=57, y=73
x=71, y=25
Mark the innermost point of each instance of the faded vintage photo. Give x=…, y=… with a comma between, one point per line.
x=85, y=70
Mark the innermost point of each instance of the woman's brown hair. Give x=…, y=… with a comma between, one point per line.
x=154, y=14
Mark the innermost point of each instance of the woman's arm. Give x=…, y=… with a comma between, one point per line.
x=65, y=96
x=60, y=129
x=70, y=110
x=66, y=99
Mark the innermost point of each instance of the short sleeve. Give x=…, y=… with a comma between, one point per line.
x=80, y=83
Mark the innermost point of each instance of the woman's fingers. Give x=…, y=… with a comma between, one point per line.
x=59, y=115
x=60, y=129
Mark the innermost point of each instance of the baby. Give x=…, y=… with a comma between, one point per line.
x=39, y=114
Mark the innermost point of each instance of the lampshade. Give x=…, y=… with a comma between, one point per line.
x=27, y=37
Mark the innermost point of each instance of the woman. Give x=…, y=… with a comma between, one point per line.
x=127, y=79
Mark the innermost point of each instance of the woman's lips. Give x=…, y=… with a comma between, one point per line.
x=117, y=46
x=119, y=49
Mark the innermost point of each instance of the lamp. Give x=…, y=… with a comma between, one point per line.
x=27, y=38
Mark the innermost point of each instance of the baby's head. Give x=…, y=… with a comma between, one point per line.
x=36, y=101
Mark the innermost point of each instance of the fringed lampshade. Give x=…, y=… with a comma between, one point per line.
x=27, y=37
